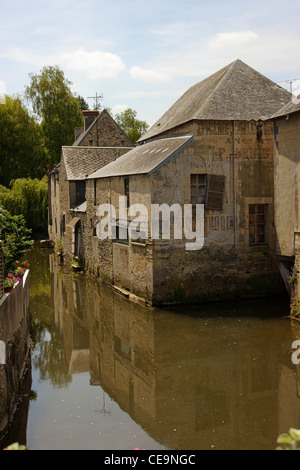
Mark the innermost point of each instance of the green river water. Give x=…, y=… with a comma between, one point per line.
x=110, y=374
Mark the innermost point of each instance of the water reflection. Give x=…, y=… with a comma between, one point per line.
x=220, y=377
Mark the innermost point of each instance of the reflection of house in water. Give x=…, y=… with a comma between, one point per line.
x=190, y=382
x=70, y=317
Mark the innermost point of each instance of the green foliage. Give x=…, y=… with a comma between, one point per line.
x=15, y=446
x=83, y=105
x=58, y=108
x=22, y=148
x=289, y=441
x=15, y=237
x=28, y=197
x=134, y=128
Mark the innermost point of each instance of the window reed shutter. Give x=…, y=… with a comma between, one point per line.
x=215, y=191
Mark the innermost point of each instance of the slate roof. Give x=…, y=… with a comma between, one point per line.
x=236, y=92
x=292, y=107
x=144, y=159
x=82, y=161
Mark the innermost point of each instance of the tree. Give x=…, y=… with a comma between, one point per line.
x=82, y=103
x=134, y=128
x=22, y=149
x=15, y=237
x=58, y=108
x=28, y=197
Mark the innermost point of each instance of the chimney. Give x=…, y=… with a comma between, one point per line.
x=89, y=118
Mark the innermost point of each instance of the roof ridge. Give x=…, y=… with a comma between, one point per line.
x=229, y=68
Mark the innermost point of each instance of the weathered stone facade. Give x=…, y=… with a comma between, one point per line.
x=287, y=189
x=213, y=147
x=101, y=142
x=162, y=271
x=15, y=334
x=101, y=130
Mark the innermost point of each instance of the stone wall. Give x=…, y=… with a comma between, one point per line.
x=14, y=333
x=106, y=133
x=287, y=183
x=227, y=265
x=162, y=271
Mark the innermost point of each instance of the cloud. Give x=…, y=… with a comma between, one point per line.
x=119, y=108
x=232, y=39
x=148, y=75
x=2, y=92
x=270, y=52
x=95, y=64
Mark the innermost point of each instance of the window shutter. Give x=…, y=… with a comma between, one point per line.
x=215, y=191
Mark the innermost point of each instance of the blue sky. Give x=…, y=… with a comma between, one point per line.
x=143, y=54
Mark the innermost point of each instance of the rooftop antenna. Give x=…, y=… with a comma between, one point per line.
x=97, y=99
x=290, y=82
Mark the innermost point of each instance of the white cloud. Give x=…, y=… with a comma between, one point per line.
x=2, y=92
x=119, y=108
x=233, y=39
x=269, y=52
x=148, y=75
x=96, y=64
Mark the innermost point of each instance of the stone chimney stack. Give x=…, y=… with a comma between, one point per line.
x=89, y=118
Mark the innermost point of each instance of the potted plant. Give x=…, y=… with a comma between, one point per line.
x=8, y=284
x=76, y=264
x=19, y=271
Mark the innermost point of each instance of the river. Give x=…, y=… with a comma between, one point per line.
x=107, y=373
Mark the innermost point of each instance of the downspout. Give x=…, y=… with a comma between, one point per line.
x=234, y=219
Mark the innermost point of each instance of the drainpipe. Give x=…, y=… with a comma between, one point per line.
x=234, y=218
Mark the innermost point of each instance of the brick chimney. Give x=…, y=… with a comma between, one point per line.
x=89, y=117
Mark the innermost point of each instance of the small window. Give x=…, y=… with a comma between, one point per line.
x=126, y=190
x=63, y=224
x=95, y=192
x=198, y=189
x=122, y=232
x=80, y=192
x=90, y=143
x=257, y=224
x=208, y=190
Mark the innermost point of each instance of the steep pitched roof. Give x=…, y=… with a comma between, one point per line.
x=81, y=161
x=292, y=107
x=144, y=159
x=236, y=92
x=103, y=113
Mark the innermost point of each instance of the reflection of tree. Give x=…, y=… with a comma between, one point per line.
x=50, y=358
x=48, y=353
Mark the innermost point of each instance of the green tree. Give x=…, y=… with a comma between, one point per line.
x=133, y=127
x=58, y=108
x=28, y=197
x=22, y=149
x=82, y=103
x=15, y=237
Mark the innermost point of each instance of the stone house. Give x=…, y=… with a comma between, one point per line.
x=98, y=143
x=287, y=187
x=214, y=146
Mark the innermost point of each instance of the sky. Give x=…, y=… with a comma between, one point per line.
x=146, y=54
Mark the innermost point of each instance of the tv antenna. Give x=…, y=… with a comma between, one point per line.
x=290, y=83
x=97, y=99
